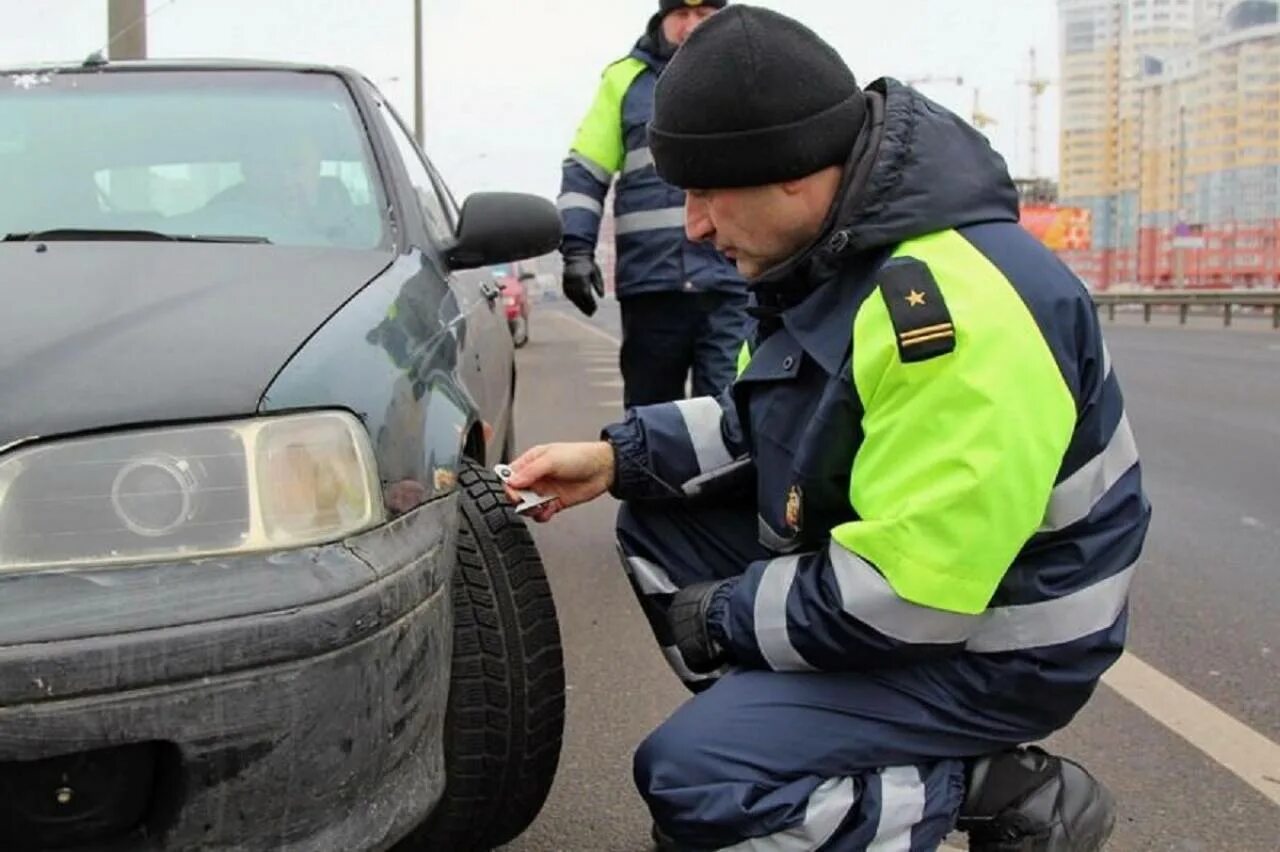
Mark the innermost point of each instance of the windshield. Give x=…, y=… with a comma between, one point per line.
x=265, y=156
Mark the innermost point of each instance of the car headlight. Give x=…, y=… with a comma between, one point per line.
x=182, y=492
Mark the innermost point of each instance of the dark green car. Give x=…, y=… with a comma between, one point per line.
x=258, y=589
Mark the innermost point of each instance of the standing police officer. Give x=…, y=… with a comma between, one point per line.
x=683, y=305
x=912, y=521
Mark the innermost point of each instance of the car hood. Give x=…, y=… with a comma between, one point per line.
x=101, y=334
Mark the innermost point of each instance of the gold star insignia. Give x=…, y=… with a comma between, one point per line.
x=915, y=298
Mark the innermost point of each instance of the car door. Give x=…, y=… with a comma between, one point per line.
x=472, y=308
x=493, y=342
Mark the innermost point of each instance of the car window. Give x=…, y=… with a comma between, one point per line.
x=439, y=221
x=450, y=203
x=280, y=156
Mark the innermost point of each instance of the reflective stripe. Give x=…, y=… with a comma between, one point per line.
x=650, y=220
x=637, y=160
x=593, y=168
x=579, y=201
x=902, y=797
x=682, y=671
x=702, y=417
x=771, y=617
x=772, y=539
x=1106, y=362
x=868, y=597
x=1070, y=617
x=1074, y=498
x=651, y=579
x=828, y=807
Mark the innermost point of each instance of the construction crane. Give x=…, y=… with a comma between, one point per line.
x=980, y=119
x=1036, y=85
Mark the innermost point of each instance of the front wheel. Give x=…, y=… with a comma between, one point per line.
x=505, y=718
x=520, y=331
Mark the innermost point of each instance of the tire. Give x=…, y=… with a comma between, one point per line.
x=520, y=332
x=509, y=442
x=505, y=717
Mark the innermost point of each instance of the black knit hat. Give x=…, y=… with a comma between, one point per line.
x=665, y=6
x=753, y=98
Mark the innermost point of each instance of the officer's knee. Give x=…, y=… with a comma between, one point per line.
x=669, y=759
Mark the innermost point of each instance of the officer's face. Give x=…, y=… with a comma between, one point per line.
x=678, y=25
x=756, y=227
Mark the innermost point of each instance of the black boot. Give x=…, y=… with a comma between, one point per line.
x=1027, y=800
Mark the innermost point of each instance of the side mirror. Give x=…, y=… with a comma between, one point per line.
x=503, y=227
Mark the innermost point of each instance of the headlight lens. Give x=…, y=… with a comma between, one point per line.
x=184, y=492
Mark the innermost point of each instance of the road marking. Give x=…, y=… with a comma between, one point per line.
x=1244, y=752
x=612, y=384
x=1239, y=749
x=613, y=403
x=613, y=371
x=589, y=327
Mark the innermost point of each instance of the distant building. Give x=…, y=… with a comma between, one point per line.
x=1171, y=138
x=1036, y=191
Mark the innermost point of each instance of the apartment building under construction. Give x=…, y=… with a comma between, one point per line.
x=1170, y=117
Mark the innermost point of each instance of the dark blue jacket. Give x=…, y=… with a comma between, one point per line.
x=934, y=439
x=652, y=252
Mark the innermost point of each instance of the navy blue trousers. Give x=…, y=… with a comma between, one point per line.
x=665, y=336
x=763, y=760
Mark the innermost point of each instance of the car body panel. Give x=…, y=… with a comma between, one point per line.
x=90, y=340
x=306, y=710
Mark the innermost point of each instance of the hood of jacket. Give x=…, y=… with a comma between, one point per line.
x=917, y=168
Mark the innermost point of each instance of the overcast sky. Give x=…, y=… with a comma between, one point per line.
x=507, y=81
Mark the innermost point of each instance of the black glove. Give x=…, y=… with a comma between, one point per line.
x=687, y=617
x=581, y=276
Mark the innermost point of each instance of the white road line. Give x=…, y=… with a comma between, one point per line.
x=1244, y=752
x=1249, y=755
x=588, y=326
x=612, y=384
x=612, y=371
x=613, y=403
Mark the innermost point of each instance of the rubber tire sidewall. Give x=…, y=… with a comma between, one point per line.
x=505, y=720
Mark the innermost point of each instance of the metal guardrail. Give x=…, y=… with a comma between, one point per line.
x=1185, y=300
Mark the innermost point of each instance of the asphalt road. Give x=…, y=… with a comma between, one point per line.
x=1205, y=405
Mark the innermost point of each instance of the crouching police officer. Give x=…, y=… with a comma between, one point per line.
x=908, y=530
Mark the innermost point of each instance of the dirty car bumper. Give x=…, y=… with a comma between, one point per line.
x=274, y=701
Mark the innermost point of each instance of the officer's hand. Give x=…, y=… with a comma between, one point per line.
x=687, y=617
x=573, y=473
x=581, y=277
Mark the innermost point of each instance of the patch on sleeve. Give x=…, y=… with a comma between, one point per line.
x=918, y=311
